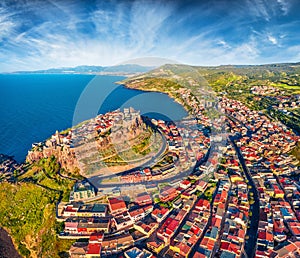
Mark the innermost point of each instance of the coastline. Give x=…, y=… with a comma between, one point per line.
x=169, y=94
x=125, y=85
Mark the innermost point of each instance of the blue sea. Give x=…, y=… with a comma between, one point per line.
x=34, y=106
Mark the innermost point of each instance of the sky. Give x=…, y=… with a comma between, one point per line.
x=41, y=34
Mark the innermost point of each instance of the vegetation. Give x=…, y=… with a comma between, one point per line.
x=46, y=173
x=28, y=209
x=28, y=214
x=75, y=174
x=296, y=151
x=168, y=204
x=165, y=85
x=231, y=81
x=143, y=146
x=166, y=160
x=208, y=194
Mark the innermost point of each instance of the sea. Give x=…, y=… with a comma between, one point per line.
x=34, y=106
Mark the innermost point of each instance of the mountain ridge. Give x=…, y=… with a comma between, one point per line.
x=92, y=69
x=136, y=68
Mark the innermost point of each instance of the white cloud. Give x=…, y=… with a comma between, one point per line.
x=214, y=51
x=284, y=6
x=272, y=39
x=143, y=28
x=259, y=8
x=224, y=44
x=117, y=38
x=7, y=25
x=146, y=20
x=268, y=9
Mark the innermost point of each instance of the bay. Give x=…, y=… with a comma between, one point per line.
x=34, y=106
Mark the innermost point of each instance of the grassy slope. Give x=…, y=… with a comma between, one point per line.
x=28, y=210
x=28, y=213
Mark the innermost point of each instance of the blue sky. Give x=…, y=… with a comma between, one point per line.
x=42, y=34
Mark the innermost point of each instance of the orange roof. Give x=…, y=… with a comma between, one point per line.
x=144, y=198
x=136, y=212
x=218, y=222
x=269, y=237
x=184, y=248
x=93, y=249
x=221, y=206
x=241, y=233
x=97, y=236
x=210, y=244
x=185, y=182
x=116, y=204
x=193, y=239
x=199, y=255
x=161, y=210
x=296, y=231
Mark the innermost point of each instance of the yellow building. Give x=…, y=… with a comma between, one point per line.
x=156, y=245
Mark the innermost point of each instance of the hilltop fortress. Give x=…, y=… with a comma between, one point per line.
x=117, y=138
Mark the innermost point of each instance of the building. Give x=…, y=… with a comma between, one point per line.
x=184, y=184
x=94, y=245
x=93, y=250
x=201, y=186
x=138, y=253
x=78, y=250
x=168, y=193
x=117, y=205
x=146, y=229
x=155, y=245
x=291, y=250
x=137, y=214
x=92, y=210
x=82, y=190
x=70, y=209
x=143, y=199
x=84, y=210
x=160, y=213
x=86, y=226
x=123, y=221
x=116, y=244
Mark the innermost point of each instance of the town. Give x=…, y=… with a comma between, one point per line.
x=249, y=205
x=155, y=188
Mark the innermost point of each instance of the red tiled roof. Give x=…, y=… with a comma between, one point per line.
x=116, y=204
x=144, y=198
x=262, y=235
x=199, y=255
x=93, y=249
x=185, y=182
x=97, y=236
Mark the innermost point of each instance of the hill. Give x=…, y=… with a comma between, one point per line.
x=124, y=69
x=236, y=82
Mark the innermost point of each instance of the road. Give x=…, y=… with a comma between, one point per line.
x=96, y=181
x=250, y=244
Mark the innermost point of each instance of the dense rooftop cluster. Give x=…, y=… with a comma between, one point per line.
x=197, y=198
x=249, y=204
